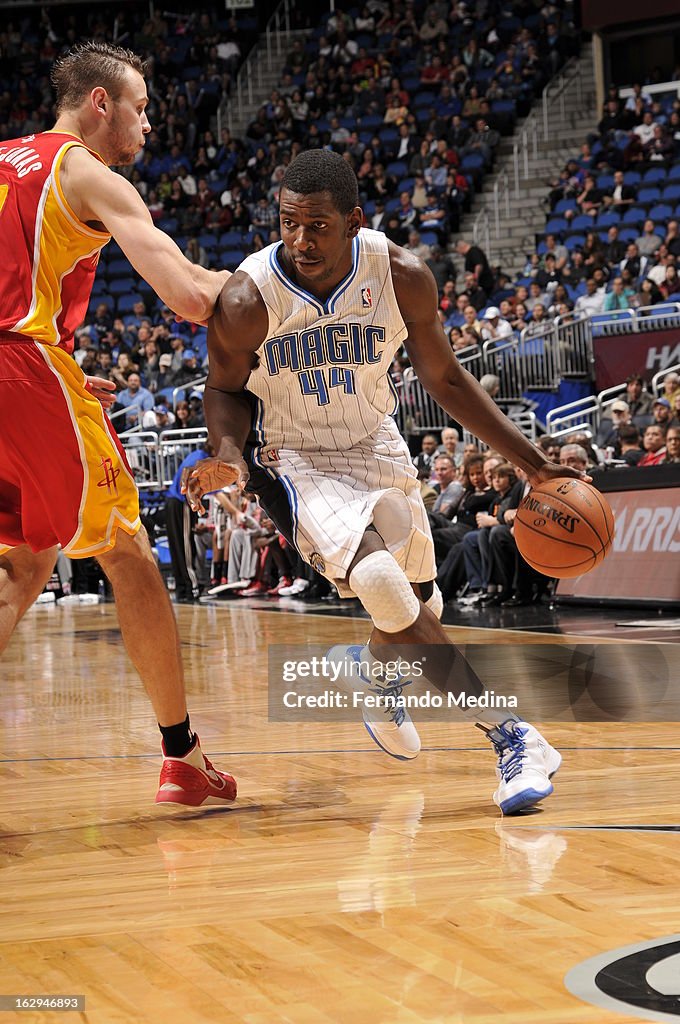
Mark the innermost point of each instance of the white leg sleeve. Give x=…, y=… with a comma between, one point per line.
x=385, y=592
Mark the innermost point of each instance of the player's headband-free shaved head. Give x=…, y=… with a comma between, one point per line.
x=321, y=170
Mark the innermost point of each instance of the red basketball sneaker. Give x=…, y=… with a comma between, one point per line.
x=192, y=780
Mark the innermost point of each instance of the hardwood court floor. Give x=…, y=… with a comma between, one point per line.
x=342, y=886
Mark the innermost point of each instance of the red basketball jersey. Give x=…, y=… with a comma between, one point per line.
x=49, y=257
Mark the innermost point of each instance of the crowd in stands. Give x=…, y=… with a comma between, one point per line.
x=416, y=96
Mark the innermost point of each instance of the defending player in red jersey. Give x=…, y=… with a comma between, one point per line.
x=63, y=476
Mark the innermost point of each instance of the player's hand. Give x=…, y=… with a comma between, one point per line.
x=211, y=475
x=549, y=471
x=101, y=389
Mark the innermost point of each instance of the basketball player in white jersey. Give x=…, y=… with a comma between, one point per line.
x=299, y=402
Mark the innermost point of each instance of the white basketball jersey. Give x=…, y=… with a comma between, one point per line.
x=323, y=379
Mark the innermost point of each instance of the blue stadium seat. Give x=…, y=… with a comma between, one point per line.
x=634, y=216
x=429, y=238
x=99, y=287
x=649, y=195
x=126, y=302
x=661, y=212
x=675, y=297
x=167, y=224
x=406, y=185
x=605, y=181
x=122, y=286
x=97, y=300
x=398, y=168
x=628, y=234
x=563, y=205
x=369, y=207
x=583, y=223
x=674, y=173
x=632, y=178
x=605, y=220
x=371, y=121
x=208, y=241
x=574, y=242
x=671, y=194
x=555, y=225
x=118, y=268
x=654, y=174
x=230, y=240
x=231, y=258
x=391, y=205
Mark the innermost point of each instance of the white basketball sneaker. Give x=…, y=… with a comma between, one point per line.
x=526, y=763
x=388, y=725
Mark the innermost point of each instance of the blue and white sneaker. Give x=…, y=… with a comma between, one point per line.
x=389, y=726
x=526, y=763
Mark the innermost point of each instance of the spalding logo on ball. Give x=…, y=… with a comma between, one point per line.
x=564, y=528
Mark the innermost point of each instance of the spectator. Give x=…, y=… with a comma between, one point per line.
x=661, y=412
x=450, y=490
x=477, y=263
x=494, y=327
x=620, y=196
x=135, y=399
x=639, y=401
x=616, y=298
x=441, y=266
x=629, y=444
x=425, y=457
x=608, y=431
x=592, y=302
x=672, y=446
x=654, y=444
x=450, y=445
x=574, y=456
x=417, y=246
x=648, y=242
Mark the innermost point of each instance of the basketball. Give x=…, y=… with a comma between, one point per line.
x=564, y=528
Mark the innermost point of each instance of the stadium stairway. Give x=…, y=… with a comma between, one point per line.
x=567, y=131
x=264, y=82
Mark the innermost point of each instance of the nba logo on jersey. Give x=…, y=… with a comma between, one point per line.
x=366, y=299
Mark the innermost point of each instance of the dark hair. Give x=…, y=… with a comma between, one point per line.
x=89, y=65
x=321, y=170
x=629, y=433
x=471, y=460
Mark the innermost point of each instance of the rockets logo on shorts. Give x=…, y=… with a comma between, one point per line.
x=366, y=298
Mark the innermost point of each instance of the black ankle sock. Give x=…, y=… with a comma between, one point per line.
x=177, y=739
x=217, y=572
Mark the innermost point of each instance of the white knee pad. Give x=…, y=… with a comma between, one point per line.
x=436, y=602
x=385, y=592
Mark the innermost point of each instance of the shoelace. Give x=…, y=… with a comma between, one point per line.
x=510, y=755
x=394, y=713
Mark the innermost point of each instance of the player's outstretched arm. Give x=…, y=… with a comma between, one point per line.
x=448, y=382
x=98, y=195
x=235, y=332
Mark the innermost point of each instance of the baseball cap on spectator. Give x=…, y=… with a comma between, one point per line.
x=662, y=401
x=619, y=406
x=491, y=313
x=162, y=410
x=196, y=394
x=189, y=354
x=165, y=360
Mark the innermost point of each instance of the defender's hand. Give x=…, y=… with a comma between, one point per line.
x=211, y=475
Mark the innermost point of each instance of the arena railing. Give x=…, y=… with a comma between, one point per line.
x=141, y=450
x=173, y=448
x=658, y=378
x=564, y=86
x=501, y=359
x=191, y=385
x=575, y=345
x=566, y=418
